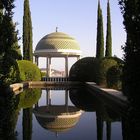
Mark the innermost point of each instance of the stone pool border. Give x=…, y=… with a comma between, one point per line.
x=19, y=86
x=113, y=97
x=91, y=85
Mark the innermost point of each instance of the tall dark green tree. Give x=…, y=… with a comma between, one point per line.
x=131, y=71
x=131, y=14
x=27, y=32
x=27, y=55
x=108, y=51
x=8, y=39
x=100, y=34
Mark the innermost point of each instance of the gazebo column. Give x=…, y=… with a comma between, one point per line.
x=48, y=97
x=66, y=66
x=66, y=99
x=78, y=57
x=48, y=69
x=36, y=60
x=49, y=66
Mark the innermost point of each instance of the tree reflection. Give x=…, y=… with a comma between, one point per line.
x=131, y=123
x=8, y=115
x=27, y=123
x=108, y=130
x=27, y=99
x=87, y=102
x=100, y=123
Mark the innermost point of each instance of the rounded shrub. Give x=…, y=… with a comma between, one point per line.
x=114, y=77
x=28, y=71
x=104, y=65
x=85, y=69
x=120, y=62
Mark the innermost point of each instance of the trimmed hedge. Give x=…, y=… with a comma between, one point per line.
x=105, y=65
x=28, y=71
x=105, y=72
x=85, y=69
x=114, y=77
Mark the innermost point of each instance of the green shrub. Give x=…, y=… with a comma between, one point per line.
x=104, y=66
x=105, y=72
x=28, y=71
x=114, y=77
x=85, y=69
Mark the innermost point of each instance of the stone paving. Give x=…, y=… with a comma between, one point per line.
x=111, y=92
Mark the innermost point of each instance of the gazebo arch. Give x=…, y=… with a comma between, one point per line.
x=56, y=45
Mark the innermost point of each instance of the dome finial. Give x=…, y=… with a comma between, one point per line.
x=56, y=29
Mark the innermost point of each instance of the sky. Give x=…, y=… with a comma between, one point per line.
x=78, y=18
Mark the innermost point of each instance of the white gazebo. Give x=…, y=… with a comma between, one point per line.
x=54, y=45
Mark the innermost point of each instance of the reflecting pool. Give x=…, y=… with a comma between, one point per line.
x=66, y=114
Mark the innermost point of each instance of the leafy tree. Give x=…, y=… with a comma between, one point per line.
x=27, y=55
x=131, y=71
x=100, y=34
x=8, y=40
x=131, y=81
x=27, y=33
x=108, y=51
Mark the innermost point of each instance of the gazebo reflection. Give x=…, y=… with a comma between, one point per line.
x=57, y=118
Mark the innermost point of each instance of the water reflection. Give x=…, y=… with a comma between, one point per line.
x=27, y=99
x=27, y=124
x=57, y=118
x=8, y=115
x=131, y=122
x=85, y=101
x=63, y=117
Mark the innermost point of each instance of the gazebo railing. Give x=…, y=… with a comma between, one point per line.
x=55, y=79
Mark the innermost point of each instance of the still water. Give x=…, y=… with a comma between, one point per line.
x=66, y=114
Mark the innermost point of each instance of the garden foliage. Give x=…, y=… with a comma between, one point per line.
x=28, y=71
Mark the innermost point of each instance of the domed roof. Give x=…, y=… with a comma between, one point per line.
x=57, y=42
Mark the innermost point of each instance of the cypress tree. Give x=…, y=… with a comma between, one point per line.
x=108, y=51
x=100, y=34
x=131, y=71
x=27, y=32
x=131, y=14
x=27, y=55
x=1, y=10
